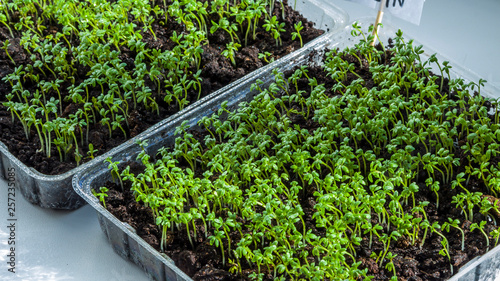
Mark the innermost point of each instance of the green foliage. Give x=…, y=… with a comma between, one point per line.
x=91, y=151
x=101, y=195
x=374, y=149
x=276, y=28
x=105, y=40
x=480, y=227
x=5, y=47
x=298, y=27
x=230, y=51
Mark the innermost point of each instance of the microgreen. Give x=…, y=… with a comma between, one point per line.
x=454, y=223
x=229, y=52
x=101, y=195
x=480, y=227
x=298, y=27
x=265, y=56
x=5, y=47
x=495, y=234
x=92, y=39
x=376, y=148
x=4, y=19
x=91, y=151
x=113, y=166
x=275, y=27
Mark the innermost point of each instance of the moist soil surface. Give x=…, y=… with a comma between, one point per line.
x=217, y=71
x=412, y=262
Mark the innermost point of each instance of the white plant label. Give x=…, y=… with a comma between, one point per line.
x=409, y=10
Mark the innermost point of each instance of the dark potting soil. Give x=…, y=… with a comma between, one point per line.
x=204, y=262
x=217, y=71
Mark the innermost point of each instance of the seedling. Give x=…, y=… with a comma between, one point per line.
x=91, y=151
x=113, y=166
x=480, y=226
x=275, y=28
x=230, y=51
x=5, y=47
x=101, y=195
x=265, y=56
x=495, y=234
x=298, y=27
x=3, y=20
x=454, y=223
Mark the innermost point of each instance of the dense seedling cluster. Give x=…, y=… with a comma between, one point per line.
x=295, y=181
x=112, y=44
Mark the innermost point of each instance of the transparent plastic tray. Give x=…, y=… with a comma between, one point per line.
x=483, y=268
x=55, y=191
x=124, y=239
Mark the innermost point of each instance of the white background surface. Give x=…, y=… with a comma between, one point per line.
x=69, y=245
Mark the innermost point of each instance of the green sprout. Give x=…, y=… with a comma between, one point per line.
x=229, y=52
x=296, y=34
x=276, y=28
x=454, y=223
x=265, y=56
x=101, y=195
x=5, y=47
x=91, y=151
x=480, y=226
